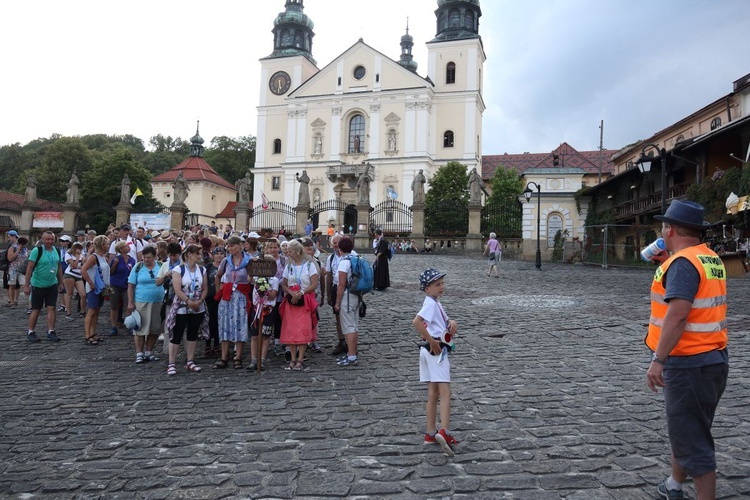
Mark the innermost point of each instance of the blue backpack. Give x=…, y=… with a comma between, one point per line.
x=361, y=278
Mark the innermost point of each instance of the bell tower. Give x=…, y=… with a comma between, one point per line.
x=455, y=65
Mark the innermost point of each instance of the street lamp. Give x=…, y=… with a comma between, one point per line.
x=644, y=165
x=527, y=193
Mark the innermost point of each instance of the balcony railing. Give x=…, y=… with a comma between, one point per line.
x=649, y=203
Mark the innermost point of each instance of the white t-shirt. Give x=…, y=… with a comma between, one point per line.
x=70, y=271
x=301, y=274
x=135, y=247
x=433, y=314
x=331, y=265
x=192, y=286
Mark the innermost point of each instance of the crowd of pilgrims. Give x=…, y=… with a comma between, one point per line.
x=177, y=286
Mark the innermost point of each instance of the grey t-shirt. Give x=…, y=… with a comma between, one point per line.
x=681, y=281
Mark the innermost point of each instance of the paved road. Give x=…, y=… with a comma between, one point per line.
x=549, y=402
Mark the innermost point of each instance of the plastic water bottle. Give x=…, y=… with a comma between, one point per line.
x=654, y=249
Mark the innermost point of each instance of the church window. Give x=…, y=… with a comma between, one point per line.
x=277, y=146
x=275, y=182
x=448, y=139
x=357, y=134
x=454, y=18
x=715, y=123
x=450, y=73
x=286, y=38
x=469, y=20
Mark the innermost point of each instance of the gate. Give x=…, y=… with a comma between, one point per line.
x=503, y=217
x=446, y=218
x=274, y=217
x=97, y=214
x=330, y=210
x=393, y=217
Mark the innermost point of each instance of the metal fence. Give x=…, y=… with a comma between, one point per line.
x=615, y=245
x=275, y=216
x=446, y=219
x=503, y=217
x=392, y=217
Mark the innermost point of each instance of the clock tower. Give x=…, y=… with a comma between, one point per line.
x=290, y=64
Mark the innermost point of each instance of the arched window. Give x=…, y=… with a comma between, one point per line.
x=469, y=20
x=554, y=224
x=357, y=134
x=448, y=139
x=277, y=146
x=454, y=18
x=716, y=123
x=450, y=73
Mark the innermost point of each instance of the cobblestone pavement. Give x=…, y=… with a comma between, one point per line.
x=549, y=401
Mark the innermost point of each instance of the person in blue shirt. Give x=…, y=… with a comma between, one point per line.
x=145, y=296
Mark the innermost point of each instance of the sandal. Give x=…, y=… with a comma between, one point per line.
x=237, y=364
x=91, y=340
x=221, y=364
x=299, y=366
x=139, y=357
x=192, y=367
x=171, y=370
x=207, y=351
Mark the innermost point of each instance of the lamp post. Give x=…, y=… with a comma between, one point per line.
x=644, y=165
x=527, y=194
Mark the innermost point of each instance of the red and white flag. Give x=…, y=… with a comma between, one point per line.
x=265, y=200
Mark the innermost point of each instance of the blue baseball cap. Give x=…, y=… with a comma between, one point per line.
x=13, y=232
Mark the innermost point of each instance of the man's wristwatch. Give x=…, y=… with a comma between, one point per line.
x=656, y=359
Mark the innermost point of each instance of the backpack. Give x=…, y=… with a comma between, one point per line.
x=391, y=251
x=24, y=262
x=361, y=277
x=4, y=263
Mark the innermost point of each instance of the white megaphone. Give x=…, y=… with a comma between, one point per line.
x=446, y=338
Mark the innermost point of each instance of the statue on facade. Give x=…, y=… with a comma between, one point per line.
x=304, y=188
x=71, y=196
x=125, y=190
x=243, y=187
x=475, y=187
x=392, y=142
x=356, y=144
x=417, y=186
x=181, y=189
x=30, y=195
x=363, y=185
x=318, y=145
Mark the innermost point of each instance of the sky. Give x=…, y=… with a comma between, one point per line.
x=554, y=70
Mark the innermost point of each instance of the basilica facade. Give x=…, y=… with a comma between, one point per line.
x=367, y=112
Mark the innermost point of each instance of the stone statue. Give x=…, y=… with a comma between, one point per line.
x=72, y=193
x=304, y=188
x=392, y=142
x=243, y=187
x=363, y=185
x=318, y=145
x=475, y=187
x=181, y=189
x=125, y=190
x=30, y=195
x=356, y=144
x=417, y=185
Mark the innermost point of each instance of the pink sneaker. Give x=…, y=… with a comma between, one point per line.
x=446, y=441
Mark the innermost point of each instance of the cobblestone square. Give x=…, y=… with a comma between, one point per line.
x=549, y=401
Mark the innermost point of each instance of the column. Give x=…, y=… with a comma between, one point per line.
x=70, y=211
x=362, y=238
x=177, y=218
x=241, y=216
x=124, y=208
x=417, y=225
x=474, y=238
x=27, y=219
x=303, y=213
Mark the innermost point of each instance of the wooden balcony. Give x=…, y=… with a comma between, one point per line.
x=650, y=203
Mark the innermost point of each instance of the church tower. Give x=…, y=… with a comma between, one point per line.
x=455, y=65
x=407, y=59
x=290, y=64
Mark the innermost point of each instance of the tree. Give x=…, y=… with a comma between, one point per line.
x=505, y=184
x=165, y=153
x=231, y=157
x=60, y=159
x=100, y=185
x=447, y=201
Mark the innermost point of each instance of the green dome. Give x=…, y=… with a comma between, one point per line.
x=293, y=17
x=443, y=2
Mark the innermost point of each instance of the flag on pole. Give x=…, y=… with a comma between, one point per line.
x=265, y=200
x=137, y=193
x=391, y=193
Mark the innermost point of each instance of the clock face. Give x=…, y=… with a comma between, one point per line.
x=359, y=72
x=280, y=82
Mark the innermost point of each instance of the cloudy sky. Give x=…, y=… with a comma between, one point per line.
x=554, y=69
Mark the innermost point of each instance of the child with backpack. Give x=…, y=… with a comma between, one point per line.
x=432, y=323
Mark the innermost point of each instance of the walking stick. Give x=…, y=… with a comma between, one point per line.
x=260, y=336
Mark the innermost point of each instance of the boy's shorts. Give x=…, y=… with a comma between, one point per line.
x=430, y=370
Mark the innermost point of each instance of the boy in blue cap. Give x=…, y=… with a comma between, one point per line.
x=434, y=366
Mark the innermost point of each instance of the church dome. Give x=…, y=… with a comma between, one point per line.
x=457, y=19
x=293, y=32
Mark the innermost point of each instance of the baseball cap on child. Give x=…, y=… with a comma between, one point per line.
x=429, y=276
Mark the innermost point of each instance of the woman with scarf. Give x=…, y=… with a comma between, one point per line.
x=233, y=285
x=188, y=311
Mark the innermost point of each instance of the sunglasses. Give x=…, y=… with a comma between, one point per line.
x=151, y=273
